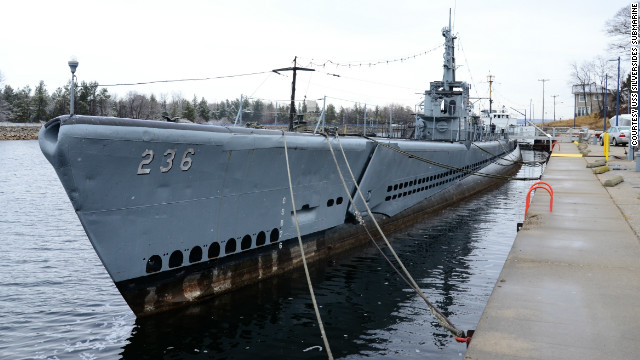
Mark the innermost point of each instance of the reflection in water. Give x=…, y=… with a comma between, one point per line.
x=455, y=256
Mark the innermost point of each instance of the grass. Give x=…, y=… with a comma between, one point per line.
x=593, y=122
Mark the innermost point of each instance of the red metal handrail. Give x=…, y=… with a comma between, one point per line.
x=542, y=182
x=533, y=187
x=554, y=144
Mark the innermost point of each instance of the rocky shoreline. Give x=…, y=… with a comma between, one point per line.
x=19, y=132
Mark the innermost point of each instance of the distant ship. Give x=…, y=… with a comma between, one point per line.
x=499, y=120
x=182, y=212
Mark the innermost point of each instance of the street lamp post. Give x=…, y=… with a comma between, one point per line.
x=618, y=93
x=554, y=108
x=73, y=65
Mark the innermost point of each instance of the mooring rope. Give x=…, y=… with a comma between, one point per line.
x=442, y=320
x=304, y=260
x=450, y=167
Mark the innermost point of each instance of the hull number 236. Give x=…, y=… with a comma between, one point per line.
x=167, y=161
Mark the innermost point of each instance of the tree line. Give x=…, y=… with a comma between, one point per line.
x=26, y=105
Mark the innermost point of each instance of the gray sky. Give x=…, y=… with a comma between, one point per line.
x=117, y=41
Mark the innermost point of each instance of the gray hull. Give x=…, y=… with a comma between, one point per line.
x=181, y=212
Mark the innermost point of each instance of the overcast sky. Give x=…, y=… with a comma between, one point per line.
x=518, y=42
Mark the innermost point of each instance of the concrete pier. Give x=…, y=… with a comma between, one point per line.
x=570, y=288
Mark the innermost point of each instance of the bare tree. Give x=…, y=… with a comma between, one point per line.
x=602, y=68
x=136, y=104
x=163, y=104
x=619, y=29
x=581, y=76
x=176, y=104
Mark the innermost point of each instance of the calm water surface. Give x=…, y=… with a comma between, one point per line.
x=58, y=302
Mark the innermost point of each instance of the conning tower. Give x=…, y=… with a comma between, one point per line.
x=446, y=103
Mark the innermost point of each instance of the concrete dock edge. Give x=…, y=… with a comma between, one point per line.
x=570, y=287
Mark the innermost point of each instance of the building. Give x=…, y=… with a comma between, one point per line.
x=590, y=99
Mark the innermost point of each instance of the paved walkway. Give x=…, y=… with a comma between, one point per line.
x=570, y=288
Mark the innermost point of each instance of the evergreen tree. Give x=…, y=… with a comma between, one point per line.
x=220, y=110
x=40, y=101
x=257, y=110
x=269, y=113
x=188, y=111
x=153, y=111
x=86, y=98
x=246, y=104
x=174, y=111
x=283, y=114
x=59, y=102
x=176, y=105
x=5, y=107
x=228, y=110
x=120, y=108
x=9, y=95
x=102, y=102
x=22, y=111
x=342, y=115
x=330, y=114
x=233, y=110
x=203, y=110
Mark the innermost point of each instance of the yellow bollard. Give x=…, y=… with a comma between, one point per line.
x=606, y=146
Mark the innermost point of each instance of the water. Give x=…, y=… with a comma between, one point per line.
x=57, y=301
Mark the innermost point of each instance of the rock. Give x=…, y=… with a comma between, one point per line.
x=597, y=163
x=601, y=169
x=19, y=132
x=613, y=181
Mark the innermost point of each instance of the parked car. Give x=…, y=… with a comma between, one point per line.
x=617, y=135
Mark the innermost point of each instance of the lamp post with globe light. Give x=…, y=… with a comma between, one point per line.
x=73, y=65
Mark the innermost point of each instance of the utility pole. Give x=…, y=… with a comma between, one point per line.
x=543, y=81
x=292, y=110
x=490, y=79
x=554, y=107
